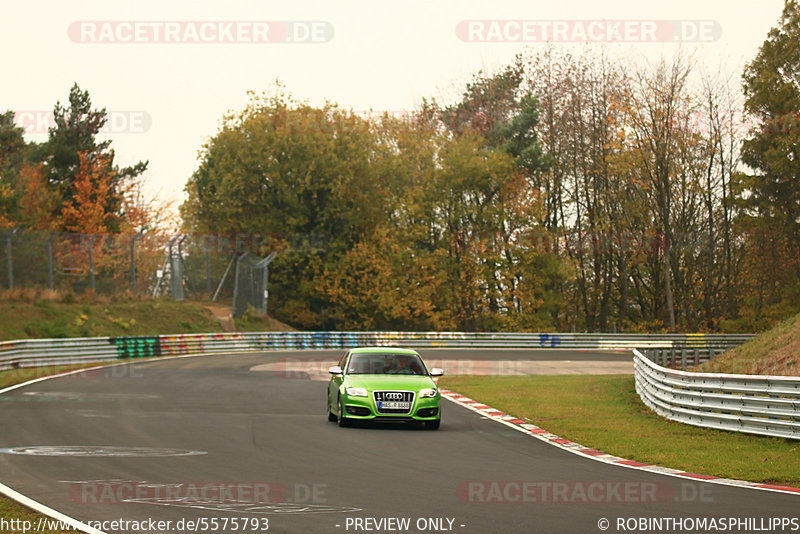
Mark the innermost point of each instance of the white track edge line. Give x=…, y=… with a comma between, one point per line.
x=46, y=510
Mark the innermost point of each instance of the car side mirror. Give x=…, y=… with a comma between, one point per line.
x=335, y=370
x=437, y=372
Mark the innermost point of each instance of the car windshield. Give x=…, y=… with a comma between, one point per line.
x=385, y=364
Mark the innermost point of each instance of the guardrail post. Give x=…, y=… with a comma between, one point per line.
x=683, y=358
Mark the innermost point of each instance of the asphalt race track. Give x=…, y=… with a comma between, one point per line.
x=207, y=438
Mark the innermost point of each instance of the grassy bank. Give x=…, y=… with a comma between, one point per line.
x=29, y=314
x=774, y=352
x=605, y=413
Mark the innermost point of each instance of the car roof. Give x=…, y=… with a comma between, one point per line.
x=383, y=350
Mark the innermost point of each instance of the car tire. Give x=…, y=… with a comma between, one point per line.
x=331, y=416
x=342, y=419
x=433, y=425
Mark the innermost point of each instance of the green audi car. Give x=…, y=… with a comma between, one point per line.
x=383, y=384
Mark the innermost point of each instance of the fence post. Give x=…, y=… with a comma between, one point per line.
x=208, y=270
x=50, y=279
x=133, y=262
x=175, y=273
x=236, y=313
x=91, y=261
x=185, y=268
x=265, y=281
x=10, y=259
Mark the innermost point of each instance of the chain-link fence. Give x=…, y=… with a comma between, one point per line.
x=227, y=268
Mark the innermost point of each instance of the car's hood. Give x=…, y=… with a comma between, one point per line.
x=373, y=382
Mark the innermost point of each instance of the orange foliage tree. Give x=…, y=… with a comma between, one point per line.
x=87, y=213
x=38, y=203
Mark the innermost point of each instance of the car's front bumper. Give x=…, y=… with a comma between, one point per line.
x=363, y=408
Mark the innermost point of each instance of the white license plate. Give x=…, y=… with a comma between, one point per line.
x=390, y=405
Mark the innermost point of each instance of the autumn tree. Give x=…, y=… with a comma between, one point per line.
x=77, y=125
x=39, y=205
x=310, y=176
x=87, y=213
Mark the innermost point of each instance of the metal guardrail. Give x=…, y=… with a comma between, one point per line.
x=40, y=352
x=681, y=357
x=765, y=405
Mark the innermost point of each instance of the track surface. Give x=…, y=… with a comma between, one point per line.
x=265, y=428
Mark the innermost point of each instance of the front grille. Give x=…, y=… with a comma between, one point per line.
x=393, y=419
x=393, y=396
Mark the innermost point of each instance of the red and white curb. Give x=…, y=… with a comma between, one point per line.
x=576, y=448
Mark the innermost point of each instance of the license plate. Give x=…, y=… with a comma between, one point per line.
x=391, y=405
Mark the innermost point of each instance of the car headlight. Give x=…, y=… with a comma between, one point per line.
x=356, y=392
x=426, y=393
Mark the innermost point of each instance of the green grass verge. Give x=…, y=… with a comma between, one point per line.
x=11, y=511
x=604, y=412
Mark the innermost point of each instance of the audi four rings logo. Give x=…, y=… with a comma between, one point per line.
x=393, y=396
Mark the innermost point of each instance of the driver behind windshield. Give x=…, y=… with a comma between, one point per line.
x=404, y=365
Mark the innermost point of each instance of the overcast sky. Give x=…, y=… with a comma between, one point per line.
x=168, y=70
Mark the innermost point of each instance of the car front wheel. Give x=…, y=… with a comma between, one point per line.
x=342, y=419
x=331, y=416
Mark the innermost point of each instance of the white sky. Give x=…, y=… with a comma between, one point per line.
x=383, y=56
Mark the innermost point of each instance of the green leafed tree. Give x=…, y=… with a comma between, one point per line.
x=76, y=130
x=388, y=223
x=487, y=105
x=772, y=90
x=771, y=193
x=312, y=177
x=12, y=157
